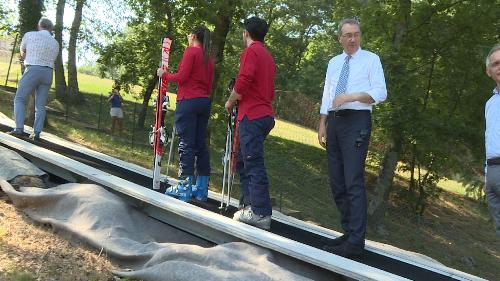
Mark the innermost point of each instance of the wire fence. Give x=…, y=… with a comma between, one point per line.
x=10, y=67
x=297, y=108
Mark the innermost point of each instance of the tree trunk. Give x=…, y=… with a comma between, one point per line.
x=222, y=26
x=378, y=205
x=73, y=90
x=147, y=96
x=411, y=188
x=58, y=66
x=30, y=12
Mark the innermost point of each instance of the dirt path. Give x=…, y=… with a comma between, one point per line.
x=31, y=251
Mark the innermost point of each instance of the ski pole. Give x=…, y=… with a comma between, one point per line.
x=172, y=138
x=235, y=146
x=228, y=155
x=227, y=167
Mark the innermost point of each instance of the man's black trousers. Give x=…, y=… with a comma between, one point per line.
x=348, y=135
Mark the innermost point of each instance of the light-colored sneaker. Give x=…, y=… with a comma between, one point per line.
x=246, y=215
x=34, y=137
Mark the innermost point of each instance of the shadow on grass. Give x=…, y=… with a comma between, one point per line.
x=298, y=176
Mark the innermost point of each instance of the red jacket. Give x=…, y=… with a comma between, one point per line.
x=195, y=78
x=255, y=82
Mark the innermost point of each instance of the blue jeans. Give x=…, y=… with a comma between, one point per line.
x=347, y=147
x=250, y=165
x=191, y=122
x=35, y=78
x=492, y=191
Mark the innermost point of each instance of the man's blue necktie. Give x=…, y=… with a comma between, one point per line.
x=344, y=76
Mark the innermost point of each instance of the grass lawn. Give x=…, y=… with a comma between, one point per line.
x=454, y=230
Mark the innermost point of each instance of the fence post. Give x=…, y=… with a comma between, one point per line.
x=99, y=118
x=133, y=125
x=278, y=103
x=281, y=198
x=67, y=105
x=11, y=56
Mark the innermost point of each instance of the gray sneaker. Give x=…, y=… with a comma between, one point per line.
x=34, y=137
x=246, y=215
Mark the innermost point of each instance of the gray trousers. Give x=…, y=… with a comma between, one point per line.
x=493, y=194
x=35, y=78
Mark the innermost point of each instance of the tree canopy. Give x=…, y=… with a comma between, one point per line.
x=432, y=52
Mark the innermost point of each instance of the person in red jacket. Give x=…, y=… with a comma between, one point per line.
x=254, y=92
x=194, y=78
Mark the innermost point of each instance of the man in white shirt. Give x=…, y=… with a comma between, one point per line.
x=354, y=83
x=492, y=138
x=39, y=51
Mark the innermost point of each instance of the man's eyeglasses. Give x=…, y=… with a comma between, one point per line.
x=494, y=64
x=351, y=35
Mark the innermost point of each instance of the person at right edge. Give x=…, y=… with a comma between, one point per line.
x=254, y=92
x=354, y=83
x=492, y=138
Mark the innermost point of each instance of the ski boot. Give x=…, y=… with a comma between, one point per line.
x=163, y=137
x=183, y=190
x=200, y=190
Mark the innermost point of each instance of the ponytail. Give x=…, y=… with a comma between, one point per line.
x=203, y=36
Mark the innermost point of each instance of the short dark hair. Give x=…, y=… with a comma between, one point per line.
x=256, y=27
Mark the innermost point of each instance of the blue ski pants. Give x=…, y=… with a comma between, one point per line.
x=191, y=122
x=250, y=165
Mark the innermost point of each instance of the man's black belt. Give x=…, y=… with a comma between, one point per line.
x=345, y=112
x=493, y=161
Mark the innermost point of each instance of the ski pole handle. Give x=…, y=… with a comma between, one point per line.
x=230, y=86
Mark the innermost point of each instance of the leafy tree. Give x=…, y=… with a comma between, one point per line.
x=298, y=33
x=6, y=25
x=30, y=12
x=137, y=49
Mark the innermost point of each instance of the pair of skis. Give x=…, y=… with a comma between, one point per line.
x=230, y=154
x=158, y=136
